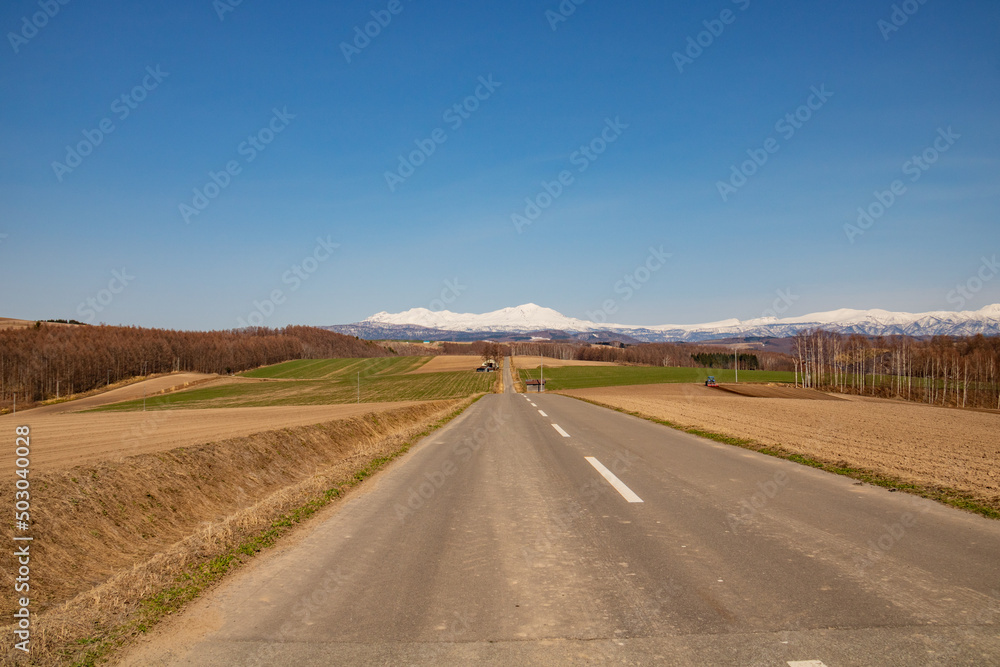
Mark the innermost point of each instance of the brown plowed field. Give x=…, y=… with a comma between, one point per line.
x=63, y=440
x=450, y=363
x=927, y=445
x=776, y=391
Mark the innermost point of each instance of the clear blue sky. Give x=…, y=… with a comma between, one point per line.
x=324, y=174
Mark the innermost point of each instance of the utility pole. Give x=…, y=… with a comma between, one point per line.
x=15, y=403
x=359, y=386
x=541, y=370
x=57, y=388
x=736, y=363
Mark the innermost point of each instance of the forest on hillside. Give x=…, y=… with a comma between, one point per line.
x=40, y=361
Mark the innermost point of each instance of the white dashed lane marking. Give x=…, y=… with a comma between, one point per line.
x=561, y=432
x=542, y=413
x=619, y=485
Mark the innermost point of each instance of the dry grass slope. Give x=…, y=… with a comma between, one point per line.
x=110, y=534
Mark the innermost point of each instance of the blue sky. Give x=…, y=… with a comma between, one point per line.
x=278, y=72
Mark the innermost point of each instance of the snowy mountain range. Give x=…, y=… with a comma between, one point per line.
x=533, y=321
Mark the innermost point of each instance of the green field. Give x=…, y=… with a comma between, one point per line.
x=328, y=369
x=323, y=382
x=582, y=377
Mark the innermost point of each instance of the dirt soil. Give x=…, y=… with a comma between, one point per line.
x=450, y=363
x=776, y=391
x=60, y=440
x=917, y=443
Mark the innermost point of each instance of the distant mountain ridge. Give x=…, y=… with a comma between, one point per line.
x=530, y=320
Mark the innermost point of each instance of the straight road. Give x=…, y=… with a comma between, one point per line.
x=537, y=529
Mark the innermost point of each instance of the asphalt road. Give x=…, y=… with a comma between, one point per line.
x=543, y=530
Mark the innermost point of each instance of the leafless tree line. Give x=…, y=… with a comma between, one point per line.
x=647, y=354
x=944, y=370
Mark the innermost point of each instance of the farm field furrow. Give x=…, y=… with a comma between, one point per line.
x=449, y=362
x=64, y=440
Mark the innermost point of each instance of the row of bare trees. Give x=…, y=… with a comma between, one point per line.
x=46, y=361
x=653, y=354
x=685, y=354
x=944, y=370
x=552, y=350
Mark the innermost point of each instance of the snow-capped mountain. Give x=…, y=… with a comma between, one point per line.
x=533, y=319
x=528, y=317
